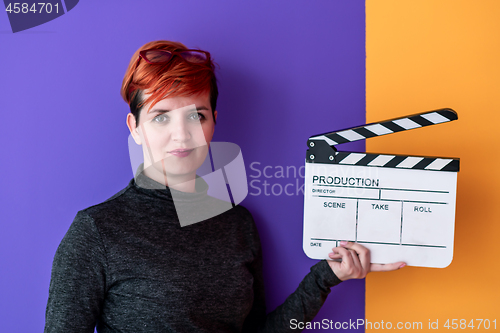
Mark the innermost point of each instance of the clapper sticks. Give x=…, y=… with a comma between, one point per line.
x=400, y=207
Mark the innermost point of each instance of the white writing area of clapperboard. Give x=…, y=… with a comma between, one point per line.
x=402, y=208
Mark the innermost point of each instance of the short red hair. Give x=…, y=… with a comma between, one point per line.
x=175, y=78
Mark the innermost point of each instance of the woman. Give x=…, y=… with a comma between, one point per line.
x=127, y=264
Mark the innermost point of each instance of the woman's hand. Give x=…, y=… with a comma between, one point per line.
x=355, y=262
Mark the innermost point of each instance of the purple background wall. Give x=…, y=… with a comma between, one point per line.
x=288, y=70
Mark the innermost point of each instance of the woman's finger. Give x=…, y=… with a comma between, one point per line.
x=360, y=249
x=363, y=255
x=356, y=262
x=346, y=257
x=335, y=255
x=387, y=267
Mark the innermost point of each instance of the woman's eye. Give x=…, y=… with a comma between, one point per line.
x=196, y=116
x=160, y=118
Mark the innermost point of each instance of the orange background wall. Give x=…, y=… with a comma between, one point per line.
x=424, y=55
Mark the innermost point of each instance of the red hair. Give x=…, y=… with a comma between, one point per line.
x=175, y=78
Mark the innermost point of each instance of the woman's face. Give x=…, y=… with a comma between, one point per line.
x=175, y=135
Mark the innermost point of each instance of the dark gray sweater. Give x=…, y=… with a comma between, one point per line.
x=126, y=265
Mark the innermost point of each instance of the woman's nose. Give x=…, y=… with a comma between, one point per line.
x=180, y=131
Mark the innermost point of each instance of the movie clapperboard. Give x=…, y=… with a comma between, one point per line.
x=402, y=208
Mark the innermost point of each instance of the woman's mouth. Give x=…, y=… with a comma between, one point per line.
x=181, y=152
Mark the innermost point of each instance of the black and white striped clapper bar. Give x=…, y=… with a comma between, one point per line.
x=402, y=208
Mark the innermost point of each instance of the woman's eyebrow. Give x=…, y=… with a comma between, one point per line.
x=199, y=108
x=158, y=111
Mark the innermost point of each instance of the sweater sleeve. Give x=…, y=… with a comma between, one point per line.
x=302, y=305
x=77, y=284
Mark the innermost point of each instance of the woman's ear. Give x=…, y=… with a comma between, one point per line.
x=215, y=119
x=134, y=131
